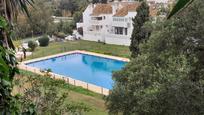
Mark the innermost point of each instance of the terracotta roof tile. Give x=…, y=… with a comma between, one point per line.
x=127, y=8
x=102, y=9
x=153, y=11
x=132, y=8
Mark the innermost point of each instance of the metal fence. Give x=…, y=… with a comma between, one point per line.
x=88, y=86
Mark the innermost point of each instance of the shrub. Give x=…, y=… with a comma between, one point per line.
x=60, y=34
x=44, y=41
x=32, y=45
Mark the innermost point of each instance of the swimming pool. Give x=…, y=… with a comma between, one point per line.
x=84, y=67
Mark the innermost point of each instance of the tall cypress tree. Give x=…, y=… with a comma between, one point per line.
x=139, y=33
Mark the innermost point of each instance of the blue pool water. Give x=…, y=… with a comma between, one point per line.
x=83, y=67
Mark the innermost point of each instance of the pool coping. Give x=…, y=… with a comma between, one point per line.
x=70, y=80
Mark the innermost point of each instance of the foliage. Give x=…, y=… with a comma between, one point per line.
x=52, y=28
x=61, y=84
x=8, y=104
x=99, y=1
x=40, y=17
x=139, y=34
x=60, y=35
x=7, y=71
x=38, y=23
x=44, y=41
x=32, y=45
x=41, y=22
x=181, y=4
x=167, y=78
x=69, y=5
x=10, y=8
x=22, y=28
x=77, y=17
x=65, y=27
x=44, y=94
x=56, y=47
x=82, y=4
x=58, y=13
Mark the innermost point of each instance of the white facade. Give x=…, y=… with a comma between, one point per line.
x=110, y=23
x=108, y=27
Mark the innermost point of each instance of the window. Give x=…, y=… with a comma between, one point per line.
x=126, y=31
x=97, y=28
x=99, y=18
x=119, y=30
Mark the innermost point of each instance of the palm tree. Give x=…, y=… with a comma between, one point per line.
x=9, y=10
x=181, y=4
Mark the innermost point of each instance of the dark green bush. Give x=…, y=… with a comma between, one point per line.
x=44, y=41
x=32, y=45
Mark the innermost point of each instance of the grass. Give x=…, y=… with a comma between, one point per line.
x=60, y=47
x=76, y=94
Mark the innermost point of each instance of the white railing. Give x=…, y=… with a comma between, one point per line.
x=69, y=80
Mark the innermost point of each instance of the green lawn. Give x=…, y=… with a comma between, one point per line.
x=75, y=94
x=95, y=101
x=60, y=47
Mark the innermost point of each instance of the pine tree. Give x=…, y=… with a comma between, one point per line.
x=139, y=34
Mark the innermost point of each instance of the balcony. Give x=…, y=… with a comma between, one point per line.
x=121, y=22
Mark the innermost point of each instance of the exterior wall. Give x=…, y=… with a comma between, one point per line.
x=107, y=33
x=107, y=38
x=118, y=39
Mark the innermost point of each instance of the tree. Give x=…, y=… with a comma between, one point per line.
x=47, y=96
x=22, y=28
x=167, y=77
x=104, y=1
x=38, y=23
x=67, y=27
x=181, y=4
x=44, y=41
x=139, y=34
x=32, y=45
x=8, y=10
x=99, y=1
x=77, y=17
x=95, y=1
x=69, y=5
x=40, y=17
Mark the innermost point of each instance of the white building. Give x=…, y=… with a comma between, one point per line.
x=110, y=23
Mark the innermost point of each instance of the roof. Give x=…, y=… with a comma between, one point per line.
x=132, y=8
x=127, y=8
x=153, y=11
x=102, y=9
